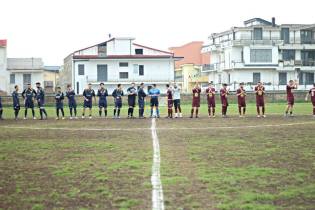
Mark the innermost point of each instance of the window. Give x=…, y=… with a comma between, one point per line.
x=141, y=70
x=256, y=78
x=309, y=78
x=101, y=73
x=285, y=35
x=260, y=55
x=139, y=51
x=288, y=55
x=12, y=78
x=308, y=57
x=306, y=37
x=81, y=69
x=123, y=64
x=135, y=68
x=282, y=78
x=257, y=33
x=123, y=75
x=27, y=78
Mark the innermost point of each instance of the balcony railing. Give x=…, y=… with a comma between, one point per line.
x=308, y=62
x=307, y=41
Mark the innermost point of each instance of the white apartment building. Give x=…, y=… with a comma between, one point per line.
x=3, y=66
x=118, y=60
x=262, y=51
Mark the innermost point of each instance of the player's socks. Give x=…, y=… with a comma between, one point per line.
x=244, y=110
x=171, y=113
x=25, y=113
x=75, y=111
x=291, y=113
x=118, y=112
x=100, y=112
x=179, y=109
x=105, y=112
x=209, y=111
x=258, y=110
x=213, y=111
x=114, y=112
x=63, y=113
x=142, y=112
x=151, y=112
x=131, y=111
x=57, y=112
x=240, y=110
x=313, y=110
x=263, y=110
x=45, y=112
x=197, y=110
x=157, y=112
x=41, y=113
x=70, y=112
x=33, y=113
x=192, y=113
x=1, y=112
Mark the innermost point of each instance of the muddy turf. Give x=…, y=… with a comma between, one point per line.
x=232, y=163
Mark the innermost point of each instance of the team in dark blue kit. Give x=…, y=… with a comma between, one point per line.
x=132, y=94
x=102, y=93
x=117, y=94
x=29, y=95
x=70, y=94
x=88, y=95
x=1, y=109
x=40, y=97
x=59, y=97
x=16, y=102
x=141, y=100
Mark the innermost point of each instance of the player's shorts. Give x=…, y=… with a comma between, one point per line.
x=132, y=102
x=118, y=103
x=59, y=105
x=102, y=104
x=260, y=101
x=87, y=104
x=29, y=104
x=224, y=102
x=72, y=104
x=141, y=104
x=16, y=107
x=290, y=101
x=196, y=103
x=241, y=103
x=154, y=102
x=211, y=103
x=170, y=103
x=176, y=103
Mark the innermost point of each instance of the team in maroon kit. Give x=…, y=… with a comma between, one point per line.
x=195, y=101
x=312, y=94
x=260, y=101
x=210, y=91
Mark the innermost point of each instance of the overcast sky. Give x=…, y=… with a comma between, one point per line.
x=52, y=29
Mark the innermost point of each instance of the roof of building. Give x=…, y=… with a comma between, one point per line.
x=25, y=64
x=3, y=42
x=123, y=56
x=265, y=22
x=52, y=68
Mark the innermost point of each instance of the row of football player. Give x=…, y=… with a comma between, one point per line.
x=173, y=99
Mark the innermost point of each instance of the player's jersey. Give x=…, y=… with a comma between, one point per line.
x=102, y=94
x=70, y=95
x=133, y=92
x=0, y=102
x=223, y=95
x=312, y=94
x=210, y=93
x=169, y=94
x=154, y=92
x=290, y=91
x=141, y=94
x=16, y=100
x=88, y=94
x=28, y=94
x=117, y=94
x=176, y=93
x=241, y=93
x=40, y=94
x=196, y=93
x=260, y=91
x=59, y=98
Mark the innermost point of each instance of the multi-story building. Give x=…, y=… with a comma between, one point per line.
x=118, y=60
x=3, y=66
x=263, y=51
x=188, y=69
x=30, y=70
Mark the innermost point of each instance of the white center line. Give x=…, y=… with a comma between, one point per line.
x=157, y=191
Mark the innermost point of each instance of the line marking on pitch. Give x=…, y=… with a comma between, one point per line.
x=157, y=191
x=161, y=128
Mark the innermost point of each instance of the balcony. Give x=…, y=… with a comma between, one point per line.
x=242, y=42
x=309, y=62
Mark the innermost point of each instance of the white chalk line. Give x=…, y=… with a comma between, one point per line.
x=161, y=128
x=157, y=191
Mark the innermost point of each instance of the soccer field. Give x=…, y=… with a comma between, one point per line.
x=232, y=163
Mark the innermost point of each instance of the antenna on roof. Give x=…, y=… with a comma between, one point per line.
x=109, y=35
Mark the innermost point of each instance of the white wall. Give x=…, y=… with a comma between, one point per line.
x=3, y=70
x=157, y=70
x=35, y=77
